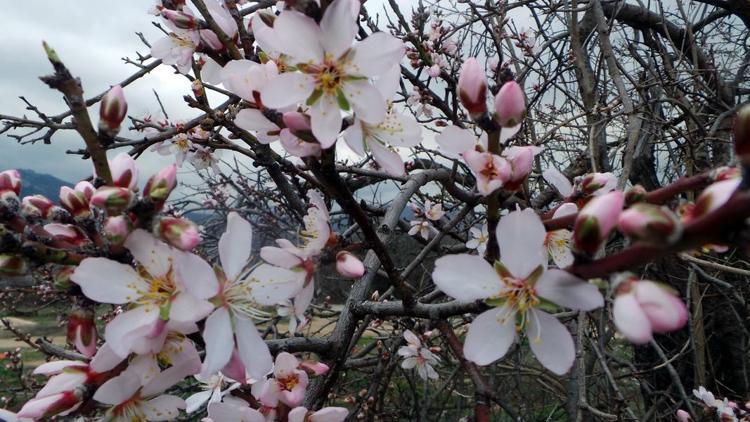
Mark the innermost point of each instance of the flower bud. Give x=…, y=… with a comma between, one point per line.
x=124, y=171
x=61, y=277
x=210, y=40
x=650, y=223
x=116, y=229
x=314, y=368
x=472, y=88
x=296, y=121
x=86, y=188
x=682, y=416
x=179, y=232
x=348, y=265
x=598, y=183
x=10, y=180
x=48, y=406
x=180, y=19
x=160, y=185
x=12, y=265
x=112, y=111
x=521, y=161
x=82, y=331
x=713, y=197
x=510, y=105
x=635, y=194
x=67, y=233
x=75, y=202
x=725, y=173
x=741, y=133
x=596, y=220
x=113, y=199
x=36, y=206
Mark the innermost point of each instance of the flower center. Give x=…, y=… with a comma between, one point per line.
x=490, y=171
x=288, y=383
x=330, y=77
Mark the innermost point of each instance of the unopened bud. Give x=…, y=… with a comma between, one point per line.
x=124, y=171
x=635, y=194
x=314, y=368
x=596, y=220
x=179, y=232
x=598, y=183
x=210, y=40
x=112, y=111
x=75, y=202
x=180, y=19
x=112, y=198
x=742, y=134
x=82, y=331
x=48, y=406
x=12, y=265
x=36, y=206
x=472, y=88
x=296, y=121
x=650, y=223
x=67, y=233
x=10, y=180
x=160, y=185
x=348, y=265
x=86, y=188
x=510, y=105
x=714, y=197
x=116, y=229
x=61, y=277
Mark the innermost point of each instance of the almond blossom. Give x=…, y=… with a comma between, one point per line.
x=333, y=75
x=161, y=290
x=213, y=391
x=287, y=385
x=239, y=297
x=326, y=414
x=558, y=242
x=417, y=356
x=516, y=286
x=479, y=239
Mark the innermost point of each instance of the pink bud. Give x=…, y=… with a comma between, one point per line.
x=86, y=188
x=725, y=173
x=112, y=198
x=348, y=265
x=472, y=87
x=742, y=134
x=598, y=183
x=160, y=185
x=124, y=171
x=714, y=197
x=682, y=416
x=596, y=220
x=12, y=265
x=82, y=331
x=179, y=232
x=314, y=368
x=75, y=202
x=116, y=229
x=67, y=233
x=297, y=121
x=635, y=194
x=521, y=161
x=491, y=171
x=10, y=180
x=112, y=110
x=642, y=307
x=510, y=105
x=650, y=223
x=45, y=407
x=180, y=19
x=36, y=206
x=209, y=39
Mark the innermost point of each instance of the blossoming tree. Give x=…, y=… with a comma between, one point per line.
x=422, y=215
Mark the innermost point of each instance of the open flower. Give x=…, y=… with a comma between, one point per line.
x=517, y=287
x=417, y=356
x=288, y=384
x=558, y=242
x=333, y=75
x=161, y=290
x=212, y=392
x=491, y=171
x=238, y=301
x=479, y=239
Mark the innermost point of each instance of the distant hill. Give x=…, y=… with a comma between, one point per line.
x=41, y=184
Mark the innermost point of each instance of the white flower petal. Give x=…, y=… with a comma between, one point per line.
x=298, y=36
x=338, y=28
x=559, y=181
x=219, y=340
x=150, y=252
x=235, y=245
x=389, y=161
x=454, y=141
x=270, y=285
x=287, y=89
x=163, y=408
x=325, y=119
x=196, y=275
x=376, y=54
x=565, y=289
x=520, y=236
x=107, y=281
x=253, y=350
x=490, y=336
x=118, y=389
x=630, y=319
x=550, y=341
x=466, y=277
x=365, y=100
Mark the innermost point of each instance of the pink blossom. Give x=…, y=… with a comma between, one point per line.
x=75, y=202
x=642, y=307
x=596, y=220
x=521, y=160
x=160, y=185
x=124, y=171
x=10, y=181
x=597, y=183
x=472, y=87
x=510, y=105
x=177, y=49
x=348, y=265
x=650, y=223
x=116, y=229
x=479, y=239
x=682, y=416
x=417, y=356
x=179, y=232
x=82, y=331
x=326, y=414
x=516, y=286
x=112, y=110
x=491, y=171
x=713, y=197
x=113, y=199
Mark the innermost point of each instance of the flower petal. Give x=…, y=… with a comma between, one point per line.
x=107, y=281
x=376, y=54
x=298, y=36
x=338, y=28
x=270, y=285
x=118, y=389
x=390, y=161
x=153, y=254
x=366, y=101
x=520, y=236
x=287, y=89
x=355, y=137
x=279, y=257
x=559, y=181
x=235, y=245
x=490, y=335
x=253, y=350
x=217, y=334
x=128, y=326
x=630, y=319
x=325, y=119
x=466, y=277
x=454, y=141
x=196, y=275
x=163, y=408
x=188, y=308
x=565, y=289
x=550, y=341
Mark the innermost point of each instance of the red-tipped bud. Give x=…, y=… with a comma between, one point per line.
x=160, y=185
x=61, y=277
x=635, y=194
x=650, y=223
x=742, y=134
x=112, y=198
x=510, y=105
x=82, y=331
x=124, y=171
x=116, y=229
x=725, y=173
x=598, y=183
x=112, y=111
x=314, y=368
x=714, y=197
x=75, y=202
x=36, y=206
x=472, y=88
x=67, y=233
x=348, y=265
x=48, y=406
x=10, y=181
x=179, y=232
x=596, y=220
x=180, y=19
x=86, y=188
x=12, y=265
x=521, y=160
